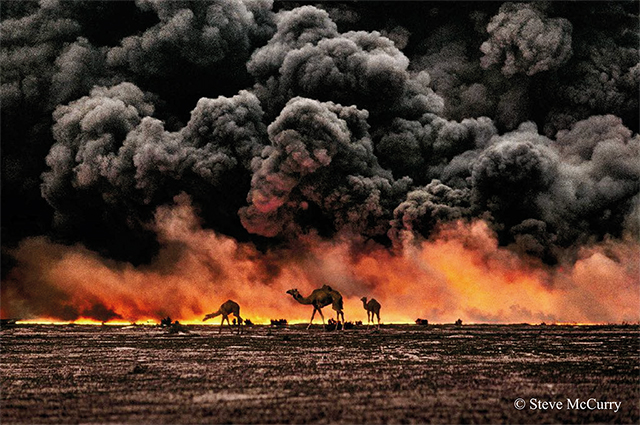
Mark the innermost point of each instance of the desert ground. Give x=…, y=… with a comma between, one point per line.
x=400, y=374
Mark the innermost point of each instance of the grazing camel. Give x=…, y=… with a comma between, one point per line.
x=227, y=308
x=372, y=307
x=320, y=298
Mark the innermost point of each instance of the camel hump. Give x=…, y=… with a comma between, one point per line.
x=327, y=287
x=229, y=305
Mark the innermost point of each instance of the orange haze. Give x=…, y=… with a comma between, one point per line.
x=460, y=273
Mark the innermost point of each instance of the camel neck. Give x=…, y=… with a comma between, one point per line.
x=302, y=300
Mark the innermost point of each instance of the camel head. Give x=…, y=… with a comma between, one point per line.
x=364, y=299
x=210, y=316
x=293, y=292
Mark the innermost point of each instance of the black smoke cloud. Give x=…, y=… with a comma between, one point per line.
x=320, y=162
x=281, y=121
x=110, y=150
x=205, y=42
x=308, y=57
x=523, y=40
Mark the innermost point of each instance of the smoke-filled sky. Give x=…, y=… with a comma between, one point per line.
x=478, y=160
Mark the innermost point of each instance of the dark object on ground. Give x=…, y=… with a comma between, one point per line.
x=248, y=322
x=8, y=323
x=176, y=327
x=458, y=322
x=279, y=323
x=138, y=368
x=332, y=325
x=349, y=325
x=166, y=321
x=359, y=323
x=422, y=322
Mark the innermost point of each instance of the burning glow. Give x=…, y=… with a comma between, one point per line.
x=80, y=321
x=462, y=273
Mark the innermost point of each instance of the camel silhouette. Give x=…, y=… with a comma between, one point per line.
x=227, y=308
x=373, y=308
x=320, y=298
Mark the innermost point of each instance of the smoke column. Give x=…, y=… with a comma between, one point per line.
x=472, y=160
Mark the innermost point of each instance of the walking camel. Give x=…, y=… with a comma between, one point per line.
x=320, y=298
x=227, y=308
x=372, y=307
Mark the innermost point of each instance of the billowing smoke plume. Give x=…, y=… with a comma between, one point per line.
x=320, y=165
x=523, y=40
x=108, y=149
x=308, y=57
x=294, y=135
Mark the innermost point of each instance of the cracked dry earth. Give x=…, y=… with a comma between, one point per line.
x=401, y=374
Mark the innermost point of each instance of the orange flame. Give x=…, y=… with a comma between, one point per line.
x=461, y=273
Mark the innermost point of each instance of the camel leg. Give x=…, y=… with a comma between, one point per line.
x=378, y=314
x=321, y=315
x=222, y=323
x=239, y=324
x=312, y=316
x=341, y=313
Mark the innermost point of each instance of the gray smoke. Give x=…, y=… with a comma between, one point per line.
x=321, y=163
x=193, y=34
x=308, y=57
x=108, y=145
x=281, y=121
x=523, y=40
x=427, y=207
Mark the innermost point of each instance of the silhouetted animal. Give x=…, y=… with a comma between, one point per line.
x=227, y=308
x=320, y=298
x=373, y=308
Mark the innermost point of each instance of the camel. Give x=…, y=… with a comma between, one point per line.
x=320, y=298
x=227, y=308
x=372, y=307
